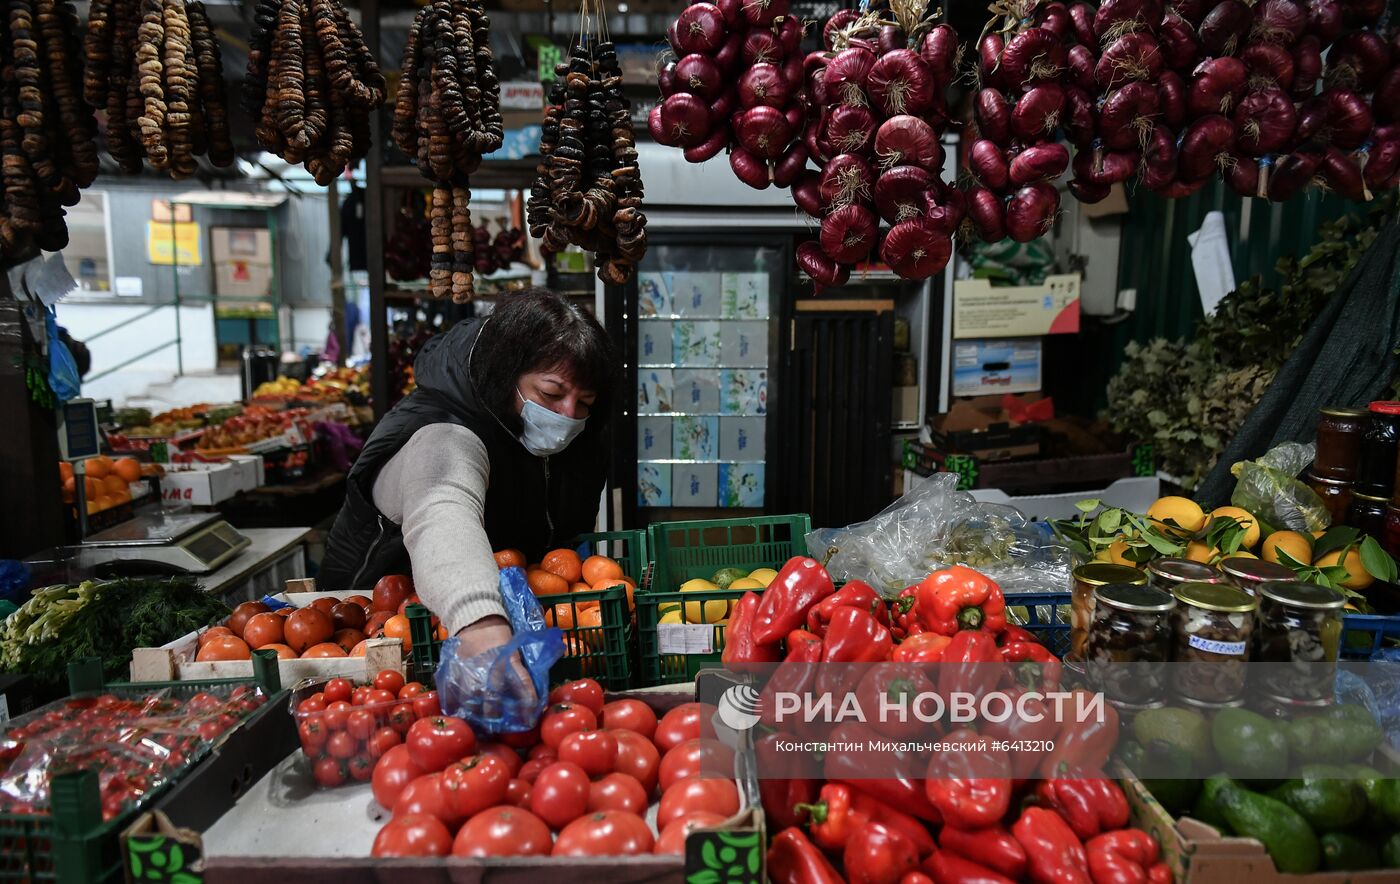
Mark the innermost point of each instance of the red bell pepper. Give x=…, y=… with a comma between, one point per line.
x=1014, y=633
x=1053, y=854
x=967, y=664
x=803, y=647
x=902, y=612
x=993, y=847
x=781, y=797
x=1032, y=665
x=794, y=675
x=1126, y=857
x=923, y=647
x=895, y=778
x=800, y=584
x=916, y=877
x=1088, y=801
x=1037, y=725
x=887, y=688
x=841, y=809
x=854, y=636
x=960, y=598
x=1082, y=745
x=878, y=854
x=949, y=868
x=792, y=859
x=739, y=644
x=856, y=594
x=970, y=788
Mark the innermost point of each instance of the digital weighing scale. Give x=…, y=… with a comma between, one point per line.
x=194, y=543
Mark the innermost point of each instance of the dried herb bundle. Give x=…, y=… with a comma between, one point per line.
x=154, y=67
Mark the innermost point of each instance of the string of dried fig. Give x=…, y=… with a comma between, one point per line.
x=447, y=116
x=155, y=67
x=311, y=85
x=47, y=133
x=588, y=190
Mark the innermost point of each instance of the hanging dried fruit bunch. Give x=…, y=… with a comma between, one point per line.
x=311, y=85
x=450, y=222
x=589, y=191
x=46, y=132
x=154, y=67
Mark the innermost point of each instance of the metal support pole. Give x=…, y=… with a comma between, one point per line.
x=337, y=270
x=378, y=318
x=175, y=278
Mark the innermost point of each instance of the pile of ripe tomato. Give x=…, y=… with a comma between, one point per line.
x=345, y=728
x=134, y=743
x=579, y=784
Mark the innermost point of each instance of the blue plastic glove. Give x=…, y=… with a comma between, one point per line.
x=504, y=690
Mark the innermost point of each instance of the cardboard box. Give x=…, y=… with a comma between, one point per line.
x=1003, y=365
x=250, y=470
x=981, y=310
x=202, y=484
x=906, y=405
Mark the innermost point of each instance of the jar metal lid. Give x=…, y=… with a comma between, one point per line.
x=1183, y=571
x=1314, y=477
x=1105, y=573
x=1302, y=595
x=1384, y=407
x=1216, y=597
x=1134, y=597
x=1256, y=570
x=1342, y=411
x=1373, y=498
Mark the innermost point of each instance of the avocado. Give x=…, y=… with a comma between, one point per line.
x=1388, y=800
x=1285, y=834
x=1165, y=770
x=1327, y=803
x=1185, y=729
x=1207, y=808
x=1372, y=783
x=1390, y=852
x=1343, y=733
x=1345, y=852
x=1251, y=746
x=725, y=576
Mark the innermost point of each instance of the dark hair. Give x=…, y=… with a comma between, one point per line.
x=536, y=330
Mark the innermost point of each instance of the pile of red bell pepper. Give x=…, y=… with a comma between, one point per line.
x=1029, y=819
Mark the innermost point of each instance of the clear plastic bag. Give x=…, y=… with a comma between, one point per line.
x=1269, y=488
x=935, y=526
x=504, y=690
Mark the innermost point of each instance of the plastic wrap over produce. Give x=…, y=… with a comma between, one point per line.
x=935, y=526
x=1269, y=488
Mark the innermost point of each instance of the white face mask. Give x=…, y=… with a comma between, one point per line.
x=547, y=432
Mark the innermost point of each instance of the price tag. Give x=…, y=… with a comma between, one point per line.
x=685, y=638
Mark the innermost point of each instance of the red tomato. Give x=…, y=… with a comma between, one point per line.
x=361, y=768
x=605, y=833
x=696, y=758
x=637, y=756
x=672, y=838
x=411, y=690
x=630, y=715
x=417, y=834
x=563, y=719
x=401, y=717
x=426, y=795
x=341, y=745
x=522, y=740
x=314, y=703
x=425, y=705
x=584, y=692
x=685, y=722
x=594, y=751
x=360, y=695
x=503, y=831
x=360, y=724
x=330, y=772
x=560, y=794
x=377, y=696
x=508, y=755
x=474, y=784
x=390, y=592
x=617, y=791
x=518, y=793
x=389, y=680
x=338, y=689
x=548, y=753
x=313, y=735
x=392, y=774
x=697, y=793
x=434, y=743
x=382, y=740
x=530, y=770
x=336, y=713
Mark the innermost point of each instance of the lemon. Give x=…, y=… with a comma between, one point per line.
x=763, y=575
x=1197, y=551
x=746, y=583
x=1185, y=513
x=708, y=611
x=1242, y=554
x=699, y=584
x=1245, y=518
x=671, y=616
x=1357, y=575
x=1299, y=546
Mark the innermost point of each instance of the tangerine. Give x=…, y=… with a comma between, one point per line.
x=113, y=484
x=397, y=627
x=610, y=583
x=98, y=467
x=565, y=563
x=510, y=558
x=127, y=468
x=65, y=471
x=544, y=582
x=596, y=568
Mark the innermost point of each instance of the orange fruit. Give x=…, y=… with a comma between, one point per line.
x=596, y=568
x=105, y=502
x=580, y=587
x=98, y=467
x=543, y=582
x=113, y=484
x=616, y=581
x=563, y=562
x=441, y=633
x=561, y=616
x=92, y=488
x=70, y=489
x=590, y=619
x=510, y=558
x=397, y=627
x=127, y=468
x=65, y=470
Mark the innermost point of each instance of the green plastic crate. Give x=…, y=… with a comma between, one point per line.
x=687, y=550
x=603, y=652
x=72, y=844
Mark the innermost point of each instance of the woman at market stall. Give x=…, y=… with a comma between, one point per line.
x=501, y=446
